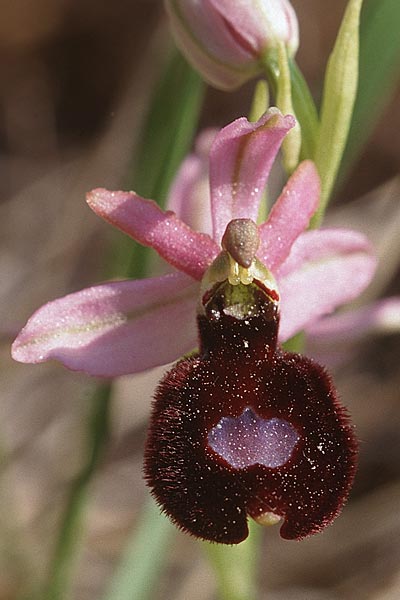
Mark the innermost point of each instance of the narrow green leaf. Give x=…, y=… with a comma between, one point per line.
x=340, y=88
x=67, y=548
x=379, y=71
x=166, y=137
x=168, y=129
x=305, y=111
x=138, y=571
x=296, y=343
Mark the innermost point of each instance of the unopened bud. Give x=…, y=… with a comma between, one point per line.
x=226, y=39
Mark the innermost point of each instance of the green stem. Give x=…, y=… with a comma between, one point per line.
x=292, y=143
x=260, y=101
x=143, y=559
x=65, y=556
x=303, y=104
x=259, y=105
x=235, y=567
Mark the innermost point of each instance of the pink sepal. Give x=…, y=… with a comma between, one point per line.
x=240, y=161
x=114, y=328
x=189, y=196
x=381, y=317
x=325, y=269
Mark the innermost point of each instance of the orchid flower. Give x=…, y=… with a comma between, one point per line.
x=126, y=327
x=241, y=428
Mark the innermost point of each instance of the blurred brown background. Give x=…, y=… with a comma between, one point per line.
x=75, y=79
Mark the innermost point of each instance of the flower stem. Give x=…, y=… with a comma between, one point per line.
x=70, y=534
x=143, y=559
x=300, y=103
x=291, y=144
x=260, y=101
x=235, y=567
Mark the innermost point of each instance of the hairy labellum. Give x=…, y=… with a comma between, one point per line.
x=245, y=429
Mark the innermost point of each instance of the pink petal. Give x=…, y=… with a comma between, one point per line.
x=240, y=161
x=189, y=195
x=262, y=23
x=185, y=249
x=290, y=215
x=114, y=328
x=382, y=316
x=325, y=269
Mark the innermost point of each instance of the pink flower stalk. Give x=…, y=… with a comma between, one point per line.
x=126, y=327
x=226, y=39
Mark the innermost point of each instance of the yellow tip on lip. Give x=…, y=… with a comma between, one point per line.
x=267, y=519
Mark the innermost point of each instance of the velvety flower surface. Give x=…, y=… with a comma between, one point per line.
x=244, y=429
x=125, y=327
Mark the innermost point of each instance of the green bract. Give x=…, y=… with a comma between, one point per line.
x=340, y=91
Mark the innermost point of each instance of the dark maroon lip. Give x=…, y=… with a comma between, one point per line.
x=242, y=385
